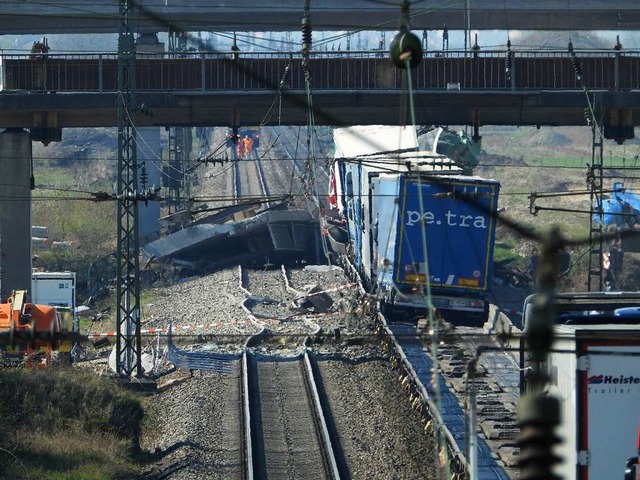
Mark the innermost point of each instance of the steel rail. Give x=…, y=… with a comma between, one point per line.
x=246, y=418
x=312, y=388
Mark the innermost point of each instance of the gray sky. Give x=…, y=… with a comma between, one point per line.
x=290, y=41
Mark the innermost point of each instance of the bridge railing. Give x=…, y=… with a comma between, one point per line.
x=439, y=70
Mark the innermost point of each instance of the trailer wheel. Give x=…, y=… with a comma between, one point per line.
x=385, y=309
x=386, y=304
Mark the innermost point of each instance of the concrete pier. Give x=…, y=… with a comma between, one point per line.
x=15, y=211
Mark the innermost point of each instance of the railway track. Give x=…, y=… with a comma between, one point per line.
x=249, y=178
x=289, y=436
x=207, y=423
x=292, y=146
x=494, y=398
x=285, y=429
x=284, y=365
x=279, y=408
x=491, y=389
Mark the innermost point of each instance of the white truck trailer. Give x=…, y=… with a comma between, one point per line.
x=595, y=371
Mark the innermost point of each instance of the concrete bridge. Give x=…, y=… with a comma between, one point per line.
x=101, y=16
x=46, y=93
x=449, y=88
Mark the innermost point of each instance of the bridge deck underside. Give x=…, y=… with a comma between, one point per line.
x=331, y=108
x=79, y=16
x=540, y=90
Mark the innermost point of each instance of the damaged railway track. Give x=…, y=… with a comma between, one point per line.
x=285, y=310
x=289, y=428
x=286, y=432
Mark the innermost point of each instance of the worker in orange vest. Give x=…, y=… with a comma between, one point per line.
x=240, y=149
x=609, y=277
x=248, y=145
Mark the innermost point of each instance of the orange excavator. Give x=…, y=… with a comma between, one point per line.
x=28, y=331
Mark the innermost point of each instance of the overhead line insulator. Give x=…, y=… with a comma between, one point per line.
x=306, y=45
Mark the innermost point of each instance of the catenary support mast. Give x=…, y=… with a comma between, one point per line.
x=128, y=290
x=180, y=143
x=595, y=280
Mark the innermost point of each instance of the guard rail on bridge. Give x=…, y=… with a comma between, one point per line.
x=336, y=71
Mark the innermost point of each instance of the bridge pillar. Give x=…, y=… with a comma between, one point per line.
x=149, y=156
x=15, y=211
x=149, y=43
x=618, y=125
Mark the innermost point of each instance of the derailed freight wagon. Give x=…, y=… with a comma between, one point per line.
x=413, y=218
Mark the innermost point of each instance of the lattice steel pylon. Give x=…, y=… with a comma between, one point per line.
x=128, y=342
x=180, y=143
x=178, y=184
x=177, y=40
x=595, y=280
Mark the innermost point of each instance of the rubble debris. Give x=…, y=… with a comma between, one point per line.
x=314, y=298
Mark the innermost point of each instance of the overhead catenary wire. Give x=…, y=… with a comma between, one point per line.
x=239, y=66
x=538, y=167
x=311, y=161
x=433, y=324
x=620, y=167
x=521, y=229
x=151, y=151
x=217, y=198
x=281, y=86
x=240, y=38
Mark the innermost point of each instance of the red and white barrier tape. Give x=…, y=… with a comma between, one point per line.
x=270, y=320
x=152, y=331
x=274, y=320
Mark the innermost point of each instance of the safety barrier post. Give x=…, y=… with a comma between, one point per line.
x=513, y=71
x=616, y=77
x=203, y=75
x=100, y=74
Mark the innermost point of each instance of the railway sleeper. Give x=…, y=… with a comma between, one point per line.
x=508, y=454
x=493, y=410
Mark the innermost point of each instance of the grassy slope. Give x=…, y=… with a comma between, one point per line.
x=551, y=159
x=66, y=424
